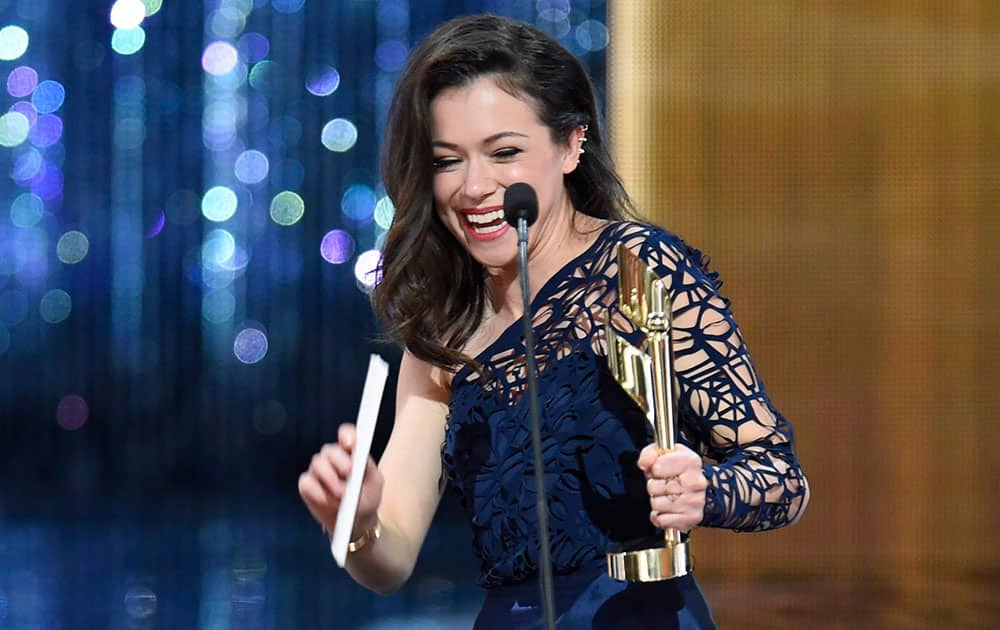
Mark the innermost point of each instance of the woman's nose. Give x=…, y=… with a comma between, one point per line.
x=480, y=181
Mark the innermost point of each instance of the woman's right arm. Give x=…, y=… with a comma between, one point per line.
x=402, y=493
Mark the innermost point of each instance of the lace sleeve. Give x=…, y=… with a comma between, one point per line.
x=755, y=481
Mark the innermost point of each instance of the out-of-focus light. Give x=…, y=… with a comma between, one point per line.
x=219, y=124
x=553, y=10
x=72, y=412
x=140, y=603
x=287, y=208
x=245, y=7
x=218, y=306
x=358, y=203
x=238, y=261
x=287, y=6
x=126, y=14
x=253, y=47
x=55, y=306
x=261, y=76
x=56, y=153
x=323, y=81
x=337, y=247
x=156, y=225
x=269, y=417
x=13, y=42
x=227, y=22
x=128, y=42
x=251, y=167
x=212, y=277
x=591, y=35
x=22, y=81
x=226, y=85
x=8, y=252
x=559, y=29
x=13, y=307
x=14, y=129
x=28, y=168
x=72, y=247
x=218, y=247
x=130, y=90
x=366, y=269
x=219, y=204
x=27, y=210
x=219, y=58
x=390, y=55
x=47, y=131
x=339, y=135
x=384, y=85
x=250, y=345
x=152, y=6
x=393, y=16
x=26, y=109
x=28, y=255
x=384, y=211
x=50, y=185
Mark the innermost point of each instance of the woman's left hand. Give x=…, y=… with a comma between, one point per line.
x=676, y=486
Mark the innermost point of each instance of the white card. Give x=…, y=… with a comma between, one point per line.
x=371, y=398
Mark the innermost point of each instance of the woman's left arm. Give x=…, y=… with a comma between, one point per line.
x=752, y=477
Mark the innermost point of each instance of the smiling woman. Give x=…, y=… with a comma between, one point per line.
x=485, y=103
x=484, y=140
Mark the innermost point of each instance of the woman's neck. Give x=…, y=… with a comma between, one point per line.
x=550, y=247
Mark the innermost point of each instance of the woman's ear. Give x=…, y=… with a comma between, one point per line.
x=575, y=150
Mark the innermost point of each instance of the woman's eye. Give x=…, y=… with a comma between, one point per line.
x=443, y=163
x=509, y=152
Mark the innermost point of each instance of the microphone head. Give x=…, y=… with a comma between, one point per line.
x=520, y=202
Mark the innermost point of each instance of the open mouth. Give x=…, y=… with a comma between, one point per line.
x=483, y=223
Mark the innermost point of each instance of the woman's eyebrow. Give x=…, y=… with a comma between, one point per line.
x=488, y=140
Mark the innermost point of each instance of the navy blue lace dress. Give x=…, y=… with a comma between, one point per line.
x=592, y=434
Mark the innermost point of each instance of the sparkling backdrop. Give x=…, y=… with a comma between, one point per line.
x=190, y=216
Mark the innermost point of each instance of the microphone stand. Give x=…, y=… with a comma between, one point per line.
x=545, y=560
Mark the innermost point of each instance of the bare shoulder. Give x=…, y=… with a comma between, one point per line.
x=422, y=379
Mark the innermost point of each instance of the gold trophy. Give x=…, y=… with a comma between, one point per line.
x=646, y=374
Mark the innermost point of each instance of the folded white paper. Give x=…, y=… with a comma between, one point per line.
x=371, y=399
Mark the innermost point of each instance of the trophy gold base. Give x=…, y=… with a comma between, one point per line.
x=649, y=559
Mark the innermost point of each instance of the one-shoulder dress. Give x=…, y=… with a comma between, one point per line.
x=591, y=437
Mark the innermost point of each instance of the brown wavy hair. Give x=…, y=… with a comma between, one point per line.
x=432, y=295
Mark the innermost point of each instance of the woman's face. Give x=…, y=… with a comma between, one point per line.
x=484, y=140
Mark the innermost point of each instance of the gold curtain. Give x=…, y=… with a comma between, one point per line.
x=840, y=162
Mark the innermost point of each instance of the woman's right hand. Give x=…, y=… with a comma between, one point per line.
x=322, y=486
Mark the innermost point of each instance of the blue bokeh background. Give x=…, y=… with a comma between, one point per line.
x=190, y=209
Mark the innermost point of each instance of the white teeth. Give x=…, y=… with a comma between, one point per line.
x=486, y=217
x=488, y=230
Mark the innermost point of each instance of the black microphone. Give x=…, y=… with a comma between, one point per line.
x=520, y=209
x=520, y=202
